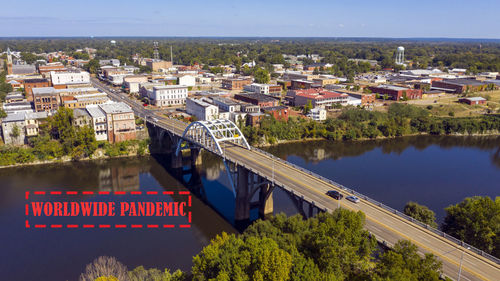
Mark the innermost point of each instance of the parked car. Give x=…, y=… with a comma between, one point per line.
x=334, y=194
x=353, y=199
x=154, y=119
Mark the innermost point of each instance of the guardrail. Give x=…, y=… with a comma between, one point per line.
x=392, y=210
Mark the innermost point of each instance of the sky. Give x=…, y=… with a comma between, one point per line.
x=260, y=18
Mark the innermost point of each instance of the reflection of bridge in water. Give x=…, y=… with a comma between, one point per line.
x=253, y=175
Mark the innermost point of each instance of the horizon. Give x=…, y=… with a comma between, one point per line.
x=260, y=19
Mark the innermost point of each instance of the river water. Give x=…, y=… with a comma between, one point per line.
x=434, y=171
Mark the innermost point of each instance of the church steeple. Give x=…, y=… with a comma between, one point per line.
x=9, y=61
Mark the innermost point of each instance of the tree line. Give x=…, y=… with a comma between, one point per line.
x=329, y=246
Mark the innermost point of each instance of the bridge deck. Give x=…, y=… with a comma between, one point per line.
x=385, y=225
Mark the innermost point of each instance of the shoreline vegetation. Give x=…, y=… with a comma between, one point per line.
x=359, y=124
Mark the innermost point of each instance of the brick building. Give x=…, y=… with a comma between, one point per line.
x=458, y=86
x=473, y=100
x=30, y=84
x=236, y=83
x=317, y=97
x=278, y=112
x=396, y=92
x=257, y=99
x=45, y=99
x=120, y=122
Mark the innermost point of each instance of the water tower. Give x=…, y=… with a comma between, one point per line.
x=400, y=55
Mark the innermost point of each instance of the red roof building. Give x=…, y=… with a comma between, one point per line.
x=317, y=97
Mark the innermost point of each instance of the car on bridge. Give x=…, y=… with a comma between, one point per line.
x=352, y=199
x=334, y=194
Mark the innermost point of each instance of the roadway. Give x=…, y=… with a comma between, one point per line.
x=387, y=227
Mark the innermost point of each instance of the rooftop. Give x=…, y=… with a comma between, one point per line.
x=117, y=107
x=392, y=87
x=318, y=94
x=259, y=97
x=36, y=80
x=43, y=91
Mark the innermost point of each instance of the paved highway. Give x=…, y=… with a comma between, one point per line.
x=387, y=227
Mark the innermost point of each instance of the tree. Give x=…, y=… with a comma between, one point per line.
x=104, y=266
x=475, y=220
x=2, y=113
x=92, y=66
x=16, y=132
x=420, y=213
x=308, y=107
x=231, y=258
x=261, y=76
x=403, y=263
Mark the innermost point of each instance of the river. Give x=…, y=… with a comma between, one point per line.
x=434, y=171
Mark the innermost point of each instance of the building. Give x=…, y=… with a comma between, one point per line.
x=168, y=95
x=266, y=89
x=23, y=69
x=317, y=98
x=257, y=99
x=226, y=105
x=303, y=84
x=9, y=62
x=187, y=80
x=20, y=106
x=53, y=66
x=235, y=83
x=133, y=82
x=60, y=79
x=14, y=97
x=157, y=65
x=202, y=109
x=82, y=101
x=17, y=127
x=120, y=121
x=98, y=122
x=473, y=100
x=317, y=114
x=278, y=112
x=45, y=99
x=323, y=81
x=30, y=84
x=366, y=99
x=397, y=92
x=81, y=118
x=458, y=86
x=113, y=62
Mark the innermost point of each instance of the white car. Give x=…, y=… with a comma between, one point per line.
x=353, y=199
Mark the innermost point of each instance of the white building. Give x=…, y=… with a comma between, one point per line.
x=69, y=77
x=202, y=109
x=187, y=80
x=317, y=114
x=168, y=95
x=353, y=101
x=257, y=88
x=226, y=104
x=98, y=122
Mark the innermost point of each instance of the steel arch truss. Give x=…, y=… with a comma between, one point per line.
x=210, y=134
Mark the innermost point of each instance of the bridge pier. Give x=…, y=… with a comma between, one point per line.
x=242, y=206
x=266, y=200
x=247, y=185
x=196, y=159
x=176, y=160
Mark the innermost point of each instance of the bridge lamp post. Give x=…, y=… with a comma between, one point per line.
x=461, y=261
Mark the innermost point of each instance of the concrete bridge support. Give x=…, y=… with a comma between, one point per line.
x=248, y=185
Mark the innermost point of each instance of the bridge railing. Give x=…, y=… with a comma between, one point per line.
x=381, y=205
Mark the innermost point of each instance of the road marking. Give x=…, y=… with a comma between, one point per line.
x=387, y=227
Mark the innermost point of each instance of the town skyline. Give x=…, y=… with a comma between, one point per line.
x=384, y=19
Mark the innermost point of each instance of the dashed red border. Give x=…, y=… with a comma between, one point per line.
x=135, y=226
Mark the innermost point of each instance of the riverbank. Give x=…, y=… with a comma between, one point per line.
x=306, y=140
x=104, y=151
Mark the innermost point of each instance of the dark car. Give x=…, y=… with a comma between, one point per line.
x=334, y=194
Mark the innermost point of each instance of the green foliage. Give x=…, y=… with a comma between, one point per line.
x=475, y=220
x=261, y=76
x=403, y=263
x=2, y=113
x=420, y=213
x=92, y=66
x=141, y=274
x=308, y=107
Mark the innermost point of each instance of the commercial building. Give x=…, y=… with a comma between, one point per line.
x=458, y=86
x=157, y=65
x=366, y=99
x=396, y=92
x=17, y=127
x=317, y=98
x=235, y=83
x=14, y=97
x=30, y=84
x=473, y=100
x=82, y=101
x=257, y=99
x=45, y=99
x=120, y=121
x=168, y=95
x=278, y=112
x=53, y=66
x=225, y=104
x=98, y=122
x=266, y=89
x=59, y=79
x=133, y=82
x=81, y=118
x=187, y=80
x=113, y=62
x=202, y=109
